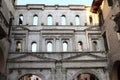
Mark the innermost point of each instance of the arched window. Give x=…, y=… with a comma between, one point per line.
x=49, y=19
x=35, y=20
x=20, y=19
x=94, y=45
x=29, y=77
x=90, y=19
x=34, y=46
x=65, y=46
x=85, y=76
x=63, y=20
x=80, y=46
x=77, y=20
x=18, y=46
x=49, y=47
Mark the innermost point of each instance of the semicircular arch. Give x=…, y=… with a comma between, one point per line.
x=88, y=71
x=36, y=74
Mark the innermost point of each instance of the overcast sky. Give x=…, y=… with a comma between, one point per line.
x=53, y=2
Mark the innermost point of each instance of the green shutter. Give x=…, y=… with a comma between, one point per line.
x=110, y=2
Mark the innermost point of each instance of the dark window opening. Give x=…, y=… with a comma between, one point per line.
x=119, y=72
x=42, y=24
x=57, y=24
x=117, y=21
x=90, y=19
x=105, y=41
x=0, y=3
x=71, y=24
x=101, y=19
x=110, y=2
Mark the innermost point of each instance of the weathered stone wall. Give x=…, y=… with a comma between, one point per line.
x=56, y=65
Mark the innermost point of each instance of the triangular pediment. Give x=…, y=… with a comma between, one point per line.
x=84, y=57
x=31, y=58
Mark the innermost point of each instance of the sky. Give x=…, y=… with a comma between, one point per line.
x=54, y=2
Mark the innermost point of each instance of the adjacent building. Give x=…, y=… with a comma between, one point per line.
x=109, y=17
x=6, y=17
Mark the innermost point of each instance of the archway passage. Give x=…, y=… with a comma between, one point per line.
x=29, y=77
x=85, y=76
x=116, y=71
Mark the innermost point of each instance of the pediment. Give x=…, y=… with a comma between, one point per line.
x=31, y=58
x=84, y=57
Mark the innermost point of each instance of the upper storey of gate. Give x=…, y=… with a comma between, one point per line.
x=54, y=15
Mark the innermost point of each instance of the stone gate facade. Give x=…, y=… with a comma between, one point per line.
x=56, y=43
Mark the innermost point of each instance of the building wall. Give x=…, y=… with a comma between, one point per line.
x=110, y=28
x=56, y=12
x=39, y=33
x=57, y=64
x=6, y=12
x=112, y=35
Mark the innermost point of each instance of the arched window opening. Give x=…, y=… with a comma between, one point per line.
x=18, y=46
x=86, y=76
x=77, y=20
x=65, y=46
x=35, y=20
x=20, y=19
x=34, y=46
x=94, y=45
x=63, y=20
x=90, y=19
x=29, y=77
x=50, y=20
x=80, y=46
x=49, y=47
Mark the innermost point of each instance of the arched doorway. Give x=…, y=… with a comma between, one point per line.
x=29, y=77
x=116, y=71
x=85, y=76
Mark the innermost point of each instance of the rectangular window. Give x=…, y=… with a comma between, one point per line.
x=110, y=2
x=119, y=2
x=0, y=3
